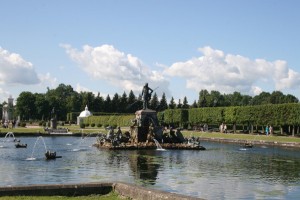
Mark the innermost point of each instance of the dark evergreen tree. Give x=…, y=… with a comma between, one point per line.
x=185, y=104
x=195, y=105
x=107, y=104
x=154, y=103
x=131, y=103
x=172, y=104
x=98, y=103
x=123, y=103
x=179, y=105
x=163, y=105
x=115, y=103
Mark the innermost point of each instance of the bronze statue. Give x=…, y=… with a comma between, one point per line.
x=146, y=93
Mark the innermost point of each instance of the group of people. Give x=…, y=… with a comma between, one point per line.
x=223, y=128
x=6, y=124
x=269, y=130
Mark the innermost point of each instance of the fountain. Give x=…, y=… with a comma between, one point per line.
x=7, y=139
x=159, y=148
x=9, y=135
x=49, y=155
x=145, y=132
x=34, y=147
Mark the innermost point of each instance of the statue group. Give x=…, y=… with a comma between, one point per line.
x=145, y=132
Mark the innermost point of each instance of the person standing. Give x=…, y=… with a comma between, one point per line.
x=267, y=130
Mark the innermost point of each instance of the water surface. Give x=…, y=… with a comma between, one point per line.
x=223, y=171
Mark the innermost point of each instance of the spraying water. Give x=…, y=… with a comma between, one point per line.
x=7, y=138
x=36, y=142
x=8, y=135
x=159, y=148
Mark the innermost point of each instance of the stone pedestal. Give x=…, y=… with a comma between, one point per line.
x=146, y=120
x=53, y=123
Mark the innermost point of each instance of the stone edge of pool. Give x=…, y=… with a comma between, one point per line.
x=83, y=189
x=295, y=145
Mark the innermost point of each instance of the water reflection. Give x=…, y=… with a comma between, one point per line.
x=220, y=172
x=144, y=166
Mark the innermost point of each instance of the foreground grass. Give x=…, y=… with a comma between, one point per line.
x=110, y=196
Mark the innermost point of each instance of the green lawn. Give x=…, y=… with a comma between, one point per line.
x=250, y=137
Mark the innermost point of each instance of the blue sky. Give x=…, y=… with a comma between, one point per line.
x=180, y=47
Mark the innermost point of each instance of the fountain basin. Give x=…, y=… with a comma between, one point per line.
x=151, y=145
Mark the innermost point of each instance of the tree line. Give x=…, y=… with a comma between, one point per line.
x=38, y=106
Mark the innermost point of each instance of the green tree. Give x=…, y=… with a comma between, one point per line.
x=195, y=105
x=262, y=98
x=163, y=105
x=154, y=103
x=172, y=104
x=179, y=105
x=203, y=96
x=290, y=99
x=41, y=106
x=98, y=103
x=115, y=102
x=185, y=104
x=107, y=104
x=26, y=106
x=123, y=103
x=131, y=102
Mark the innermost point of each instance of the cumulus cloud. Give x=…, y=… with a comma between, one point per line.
x=227, y=73
x=47, y=80
x=15, y=70
x=79, y=88
x=117, y=68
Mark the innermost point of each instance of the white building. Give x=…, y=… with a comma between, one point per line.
x=83, y=114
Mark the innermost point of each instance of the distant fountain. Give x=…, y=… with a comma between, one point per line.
x=80, y=145
x=36, y=142
x=7, y=138
x=159, y=148
x=8, y=135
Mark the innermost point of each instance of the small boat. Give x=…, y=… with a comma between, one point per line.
x=19, y=145
x=51, y=155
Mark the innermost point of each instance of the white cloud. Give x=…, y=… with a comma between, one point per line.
x=227, y=73
x=117, y=68
x=47, y=80
x=79, y=88
x=15, y=70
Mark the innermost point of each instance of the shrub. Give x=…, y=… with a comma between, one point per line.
x=82, y=125
x=93, y=125
x=99, y=125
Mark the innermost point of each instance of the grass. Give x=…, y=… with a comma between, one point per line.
x=110, y=196
x=248, y=137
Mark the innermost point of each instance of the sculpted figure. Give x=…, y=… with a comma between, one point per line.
x=146, y=93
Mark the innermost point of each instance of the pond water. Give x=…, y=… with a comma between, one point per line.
x=223, y=171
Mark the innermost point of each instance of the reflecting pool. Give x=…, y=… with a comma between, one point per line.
x=223, y=171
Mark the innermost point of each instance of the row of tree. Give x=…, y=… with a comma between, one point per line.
x=38, y=106
x=279, y=115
